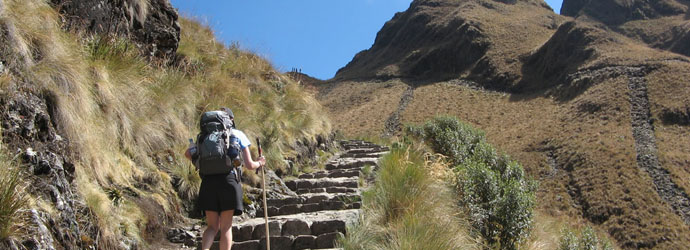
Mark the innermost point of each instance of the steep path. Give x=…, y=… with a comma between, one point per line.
x=392, y=125
x=645, y=145
x=326, y=203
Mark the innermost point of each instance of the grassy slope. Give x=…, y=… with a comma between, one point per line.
x=121, y=112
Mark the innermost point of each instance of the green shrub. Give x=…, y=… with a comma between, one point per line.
x=568, y=241
x=587, y=240
x=450, y=137
x=499, y=197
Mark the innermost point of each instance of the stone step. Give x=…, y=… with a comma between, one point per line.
x=336, y=173
x=313, y=198
x=350, y=163
x=373, y=154
x=310, y=207
x=323, y=242
x=375, y=149
x=330, y=190
x=347, y=182
x=294, y=225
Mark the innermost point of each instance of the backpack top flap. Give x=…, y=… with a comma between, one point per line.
x=214, y=121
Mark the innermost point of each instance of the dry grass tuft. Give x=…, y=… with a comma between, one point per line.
x=407, y=209
x=13, y=198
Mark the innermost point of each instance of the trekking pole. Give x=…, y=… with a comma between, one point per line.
x=263, y=179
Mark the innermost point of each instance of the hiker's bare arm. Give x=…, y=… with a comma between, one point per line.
x=188, y=155
x=249, y=163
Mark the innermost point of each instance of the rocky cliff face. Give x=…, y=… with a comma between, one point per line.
x=152, y=24
x=28, y=126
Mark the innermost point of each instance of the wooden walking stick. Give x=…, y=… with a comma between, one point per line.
x=263, y=179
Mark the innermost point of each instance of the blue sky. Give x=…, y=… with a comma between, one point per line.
x=317, y=36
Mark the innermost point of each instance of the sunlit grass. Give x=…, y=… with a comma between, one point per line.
x=13, y=198
x=407, y=209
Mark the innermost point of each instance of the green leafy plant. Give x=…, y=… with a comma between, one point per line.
x=587, y=240
x=499, y=197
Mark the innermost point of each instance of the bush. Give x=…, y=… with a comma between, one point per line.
x=448, y=136
x=588, y=240
x=499, y=197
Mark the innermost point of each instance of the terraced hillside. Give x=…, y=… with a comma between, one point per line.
x=324, y=203
x=597, y=115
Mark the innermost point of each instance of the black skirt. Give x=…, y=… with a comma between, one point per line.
x=220, y=193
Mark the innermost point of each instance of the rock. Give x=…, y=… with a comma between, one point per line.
x=247, y=245
x=327, y=240
x=304, y=242
x=259, y=231
x=295, y=228
x=243, y=233
x=43, y=239
x=289, y=209
x=278, y=243
x=179, y=235
x=27, y=123
x=150, y=24
x=323, y=227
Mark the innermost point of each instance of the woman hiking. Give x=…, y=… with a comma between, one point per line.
x=219, y=151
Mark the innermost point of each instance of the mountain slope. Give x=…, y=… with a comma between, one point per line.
x=593, y=112
x=661, y=24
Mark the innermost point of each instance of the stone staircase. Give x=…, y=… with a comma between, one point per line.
x=326, y=202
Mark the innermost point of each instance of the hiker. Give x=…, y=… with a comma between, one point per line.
x=218, y=154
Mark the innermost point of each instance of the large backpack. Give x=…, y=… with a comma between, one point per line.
x=216, y=144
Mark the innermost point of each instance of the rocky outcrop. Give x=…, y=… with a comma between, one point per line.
x=151, y=24
x=28, y=129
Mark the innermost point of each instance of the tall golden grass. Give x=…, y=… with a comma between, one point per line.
x=408, y=209
x=118, y=109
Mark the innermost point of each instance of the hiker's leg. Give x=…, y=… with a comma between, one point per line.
x=226, y=229
x=211, y=230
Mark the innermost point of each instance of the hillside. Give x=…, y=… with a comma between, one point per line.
x=97, y=100
x=595, y=109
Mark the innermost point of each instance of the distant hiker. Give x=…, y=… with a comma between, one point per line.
x=218, y=153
